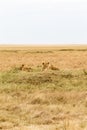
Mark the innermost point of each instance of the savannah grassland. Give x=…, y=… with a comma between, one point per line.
x=43, y=100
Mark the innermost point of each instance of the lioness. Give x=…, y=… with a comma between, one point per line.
x=25, y=68
x=47, y=65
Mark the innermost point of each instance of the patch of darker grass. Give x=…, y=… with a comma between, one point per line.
x=14, y=51
x=38, y=52
x=51, y=80
x=73, y=50
x=67, y=50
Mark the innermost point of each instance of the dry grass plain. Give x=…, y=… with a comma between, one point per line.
x=43, y=100
x=68, y=57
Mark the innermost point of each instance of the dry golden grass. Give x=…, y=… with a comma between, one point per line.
x=37, y=100
x=43, y=109
x=60, y=57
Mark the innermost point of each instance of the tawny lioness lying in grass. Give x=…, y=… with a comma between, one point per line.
x=25, y=68
x=47, y=66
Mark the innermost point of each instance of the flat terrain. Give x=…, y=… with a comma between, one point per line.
x=43, y=100
x=62, y=57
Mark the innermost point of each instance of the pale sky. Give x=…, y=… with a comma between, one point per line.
x=43, y=22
